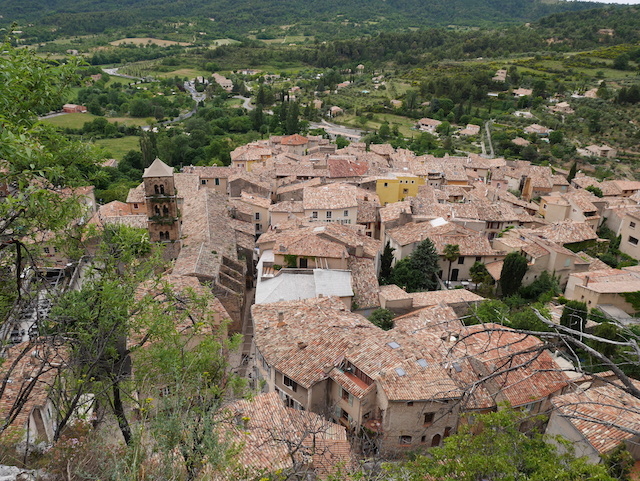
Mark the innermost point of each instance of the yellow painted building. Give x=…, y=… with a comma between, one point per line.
x=397, y=187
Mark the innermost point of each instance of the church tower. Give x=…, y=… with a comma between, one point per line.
x=162, y=202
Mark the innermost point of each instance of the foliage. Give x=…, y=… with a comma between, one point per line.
x=291, y=260
x=632, y=298
x=545, y=283
x=595, y=190
x=574, y=315
x=513, y=270
x=492, y=447
x=385, y=264
x=619, y=462
x=383, y=318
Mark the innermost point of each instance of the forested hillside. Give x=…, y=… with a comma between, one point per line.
x=238, y=17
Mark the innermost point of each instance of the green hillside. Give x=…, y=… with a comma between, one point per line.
x=238, y=17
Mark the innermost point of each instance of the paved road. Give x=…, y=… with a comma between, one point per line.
x=114, y=71
x=335, y=130
x=246, y=102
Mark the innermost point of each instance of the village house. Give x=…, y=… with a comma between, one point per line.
x=301, y=245
x=596, y=417
x=604, y=288
x=29, y=370
x=212, y=177
x=223, y=81
x=331, y=203
x=522, y=92
x=259, y=208
x=601, y=151
x=470, y=129
x=273, y=438
x=541, y=254
x=247, y=156
x=428, y=125
x=537, y=129
x=580, y=206
x=404, y=386
x=473, y=246
x=74, y=109
x=500, y=76
x=630, y=233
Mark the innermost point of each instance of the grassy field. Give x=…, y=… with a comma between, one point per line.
x=183, y=72
x=117, y=148
x=404, y=123
x=233, y=102
x=77, y=121
x=223, y=41
x=148, y=40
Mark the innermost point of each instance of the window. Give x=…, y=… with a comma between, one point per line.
x=386, y=184
x=46, y=250
x=413, y=181
x=478, y=259
x=428, y=418
x=435, y=441
x=346, y=213
x=290, y=383
x=347, y=396
x=423, y=439
x=405, y=191
x=447, y=432
x=328, y=214
x=161, y=235
x=217, y=181
x=410, y=403
x=257, y=215
x=135, y=206
x=460, y=260
x=258, y=227
x=314, y=214
x=633, y=240
x=165, y=211
x=567, y=262
x=405, y=439
x=203, y=181
x=632, y=225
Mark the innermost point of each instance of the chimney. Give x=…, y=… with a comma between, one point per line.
x=302, y=344
x=586, y=281
x=281, y=322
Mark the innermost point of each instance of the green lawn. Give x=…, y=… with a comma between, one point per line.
x=72, y=121
x=116, y=148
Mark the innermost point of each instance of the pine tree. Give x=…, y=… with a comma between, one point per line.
x=385, y=264
x=425, y=262
x=572, y=171
x=513, y=270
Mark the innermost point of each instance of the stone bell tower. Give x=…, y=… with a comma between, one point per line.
x=162, y=203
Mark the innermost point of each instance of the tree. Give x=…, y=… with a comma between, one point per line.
x=385, y=264
x=424, y=261
x=513, y=270
x=572, y=171
x=95, y=320
x=42, y=167
x=451, y=253
x=492, y=447
x=383, y=318
x=405, y=276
